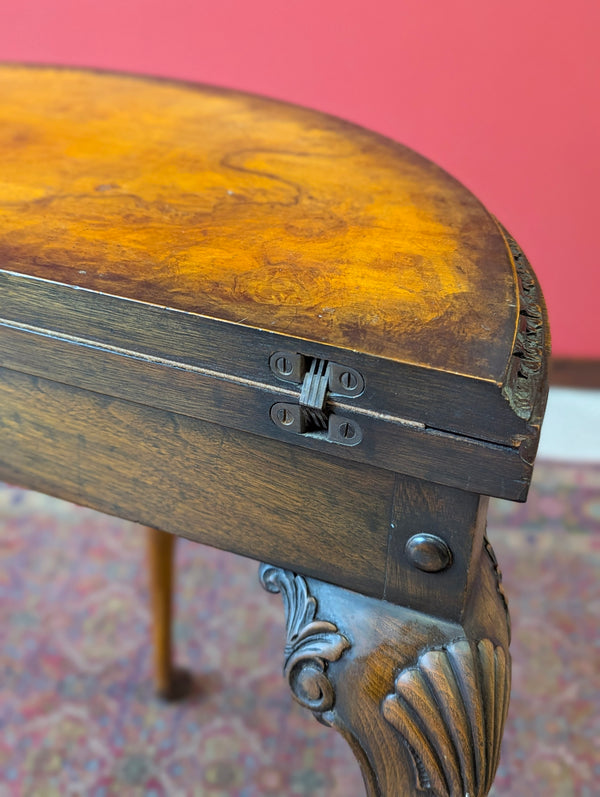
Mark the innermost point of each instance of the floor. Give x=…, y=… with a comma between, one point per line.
x=77, y=713
x=571, y=430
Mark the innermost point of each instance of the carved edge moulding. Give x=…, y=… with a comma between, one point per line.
x=527, y=368
x=446, y=703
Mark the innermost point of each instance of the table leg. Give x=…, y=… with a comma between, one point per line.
x=421, y=700
x=171, y=683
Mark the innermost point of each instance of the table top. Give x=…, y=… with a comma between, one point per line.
x=251, y=211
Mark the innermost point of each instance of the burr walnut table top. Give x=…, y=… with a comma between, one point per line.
x=251, y=211
x=165, y=243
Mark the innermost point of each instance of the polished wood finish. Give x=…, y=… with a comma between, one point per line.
x=421, y=701
x=334, y=520
x=407, y=447
x=159, y=243
x=214, y=485
x=241, y=226
x=251, y=211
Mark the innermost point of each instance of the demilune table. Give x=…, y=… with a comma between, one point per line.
x=271, y=331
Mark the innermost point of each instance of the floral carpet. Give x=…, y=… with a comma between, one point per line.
x=77, y=711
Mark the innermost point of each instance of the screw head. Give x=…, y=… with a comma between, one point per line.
x=284, y=416
x=284, y=365
x=347, y=430
x=348, y=380
x=344, y=431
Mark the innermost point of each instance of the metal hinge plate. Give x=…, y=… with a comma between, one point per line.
x=319, y=379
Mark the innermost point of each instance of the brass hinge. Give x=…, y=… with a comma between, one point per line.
x=319, y=379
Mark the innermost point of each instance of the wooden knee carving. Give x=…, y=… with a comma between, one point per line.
x=422, y=701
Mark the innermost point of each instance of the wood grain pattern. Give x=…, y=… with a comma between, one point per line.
x=456, y=517
x=158, y=242
x=253, y=211
x=233, y=490
x=331, y=518
x=454, y=403
x=421, y=701
x=201, y=230
x=245, y=404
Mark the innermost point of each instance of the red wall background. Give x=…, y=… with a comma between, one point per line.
x=505, y=94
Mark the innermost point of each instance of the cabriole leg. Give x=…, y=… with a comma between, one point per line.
x=422, y=701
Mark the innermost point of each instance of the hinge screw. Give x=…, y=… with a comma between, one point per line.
x=348, y=380
x=285, y=416
x=284, y=366
x=347, y=430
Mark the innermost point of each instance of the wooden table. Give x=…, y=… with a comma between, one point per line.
x=268, y=330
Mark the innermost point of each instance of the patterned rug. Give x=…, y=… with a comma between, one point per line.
x=77, y=713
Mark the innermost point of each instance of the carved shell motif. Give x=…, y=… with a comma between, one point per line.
x=450, y=708
x=311, y=644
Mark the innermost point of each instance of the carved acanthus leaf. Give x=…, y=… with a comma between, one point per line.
x=450, y=709
x=311, y=644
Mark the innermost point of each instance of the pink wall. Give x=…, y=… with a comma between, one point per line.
x=505, y=94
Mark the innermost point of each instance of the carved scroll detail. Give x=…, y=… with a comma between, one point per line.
x=450, y=709
x=311, y=644
x=526, y=371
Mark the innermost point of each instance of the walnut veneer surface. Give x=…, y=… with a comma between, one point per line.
x=252, y=211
